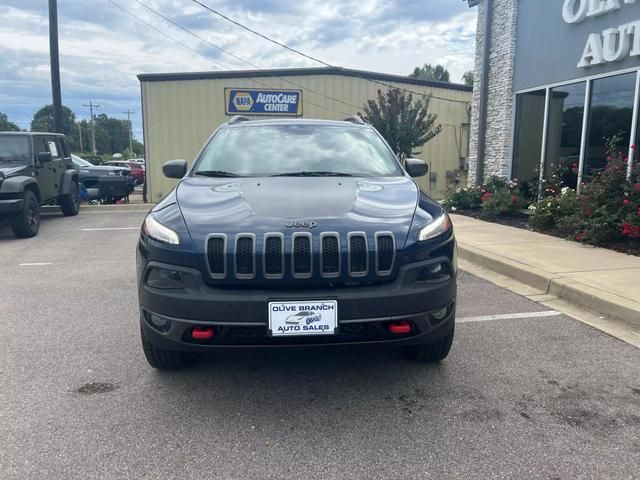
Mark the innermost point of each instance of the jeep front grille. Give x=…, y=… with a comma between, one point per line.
x=245, y=258
x=385, y=253
x=300, y=254
x=274, y=255
x=358, y=255
x=330, y=255
x=216, y=258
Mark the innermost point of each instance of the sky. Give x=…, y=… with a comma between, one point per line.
x=103, y=49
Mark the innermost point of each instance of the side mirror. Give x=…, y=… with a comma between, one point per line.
x=416, y=167
x=44, y=157
x=175, y=168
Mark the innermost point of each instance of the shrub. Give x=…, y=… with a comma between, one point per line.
x=500, y=202
x=467, y=198
x=608, y=206
x=500, y=197
x=548, y=211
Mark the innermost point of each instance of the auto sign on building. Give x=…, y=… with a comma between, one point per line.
x=263, y=102
x=562, y=76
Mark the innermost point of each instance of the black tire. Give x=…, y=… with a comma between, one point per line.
x=27, y=223
x=431, y=352
x=165, y=359
x=70, y=203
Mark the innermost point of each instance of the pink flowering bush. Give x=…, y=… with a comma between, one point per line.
x=608, y=207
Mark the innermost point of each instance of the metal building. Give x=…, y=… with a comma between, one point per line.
x=181, y=110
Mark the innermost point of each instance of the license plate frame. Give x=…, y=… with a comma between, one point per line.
x=302, y=318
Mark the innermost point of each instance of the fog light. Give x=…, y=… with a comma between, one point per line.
x=440, y=314
x=164, y=279
x=159, y=322
x=435, y=269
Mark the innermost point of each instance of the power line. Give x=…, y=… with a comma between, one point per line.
x=202, y=39
x=93, y=125
x=322, y=62
x=221, y=66
x=216, y=12
x=129, y=112
x=163, y=33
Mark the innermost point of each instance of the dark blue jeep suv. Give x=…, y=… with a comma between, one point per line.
x=295, y=232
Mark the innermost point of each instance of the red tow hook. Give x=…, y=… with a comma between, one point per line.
x=399, y=328
x=203, y=333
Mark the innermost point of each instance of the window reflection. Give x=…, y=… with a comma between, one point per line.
x=611, y=113
x=566, y=113
x=528, y=135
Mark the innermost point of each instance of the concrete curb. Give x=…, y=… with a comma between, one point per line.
x=600, y=302
x=138, y=207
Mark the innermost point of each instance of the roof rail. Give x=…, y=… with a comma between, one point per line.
x=238, y=119
x=354, y=119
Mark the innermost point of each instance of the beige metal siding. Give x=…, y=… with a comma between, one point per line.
x=180, y=115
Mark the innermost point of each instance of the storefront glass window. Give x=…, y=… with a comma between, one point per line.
x=566, y=113
x=610, y=114
x=528, y=135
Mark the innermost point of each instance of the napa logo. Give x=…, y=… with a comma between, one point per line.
x=243, y=101
x=250, y=101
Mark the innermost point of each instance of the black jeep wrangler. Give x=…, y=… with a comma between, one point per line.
x=35, y=170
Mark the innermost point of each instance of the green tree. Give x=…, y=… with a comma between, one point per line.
x=431, y=72
x=138, y=148
x=405, y=124
x=43, y=122
x=112, y=134
x=468, y=78
x=6, y=125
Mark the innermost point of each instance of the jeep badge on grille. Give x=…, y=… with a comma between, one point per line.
x=301, y=224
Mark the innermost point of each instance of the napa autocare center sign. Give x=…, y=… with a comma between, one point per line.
x=561, y=40
x=248, y=101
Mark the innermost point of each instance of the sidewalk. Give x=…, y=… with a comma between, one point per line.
x=602, y=281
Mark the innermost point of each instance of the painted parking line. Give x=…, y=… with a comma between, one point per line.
x=37, y=264
x=509, y=316
x=107, y=229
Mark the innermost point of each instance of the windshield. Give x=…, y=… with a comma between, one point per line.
x=81, y=162
x=14, y=150
x=267, y=150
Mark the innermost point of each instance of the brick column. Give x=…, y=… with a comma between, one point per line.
x=499, y=129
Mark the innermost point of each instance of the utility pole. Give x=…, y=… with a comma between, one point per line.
x=128, y=112
x=80, y=135
x=93, y=125
x=55, y=66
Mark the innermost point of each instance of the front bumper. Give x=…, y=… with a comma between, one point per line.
x=240, y=316
x=11, y=206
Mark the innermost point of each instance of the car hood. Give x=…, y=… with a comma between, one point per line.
x=10, y=170
x=261, y=205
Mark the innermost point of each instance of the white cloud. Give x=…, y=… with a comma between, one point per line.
x=102, y=49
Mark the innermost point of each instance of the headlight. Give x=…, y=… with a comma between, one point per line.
x=154, y=229
x=440, y=225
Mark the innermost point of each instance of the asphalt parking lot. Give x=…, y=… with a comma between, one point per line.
x=525, y=393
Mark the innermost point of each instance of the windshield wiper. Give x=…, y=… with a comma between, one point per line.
x=216, y=173
x=313, y=174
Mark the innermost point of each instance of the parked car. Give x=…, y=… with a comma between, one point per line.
x=279, y=217
x=89, y=174
x=93, y=159
x=136, y=170
x=35, y=169
x=139, y=161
